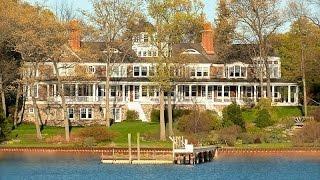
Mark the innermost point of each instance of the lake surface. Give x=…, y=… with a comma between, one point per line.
x=70, y=166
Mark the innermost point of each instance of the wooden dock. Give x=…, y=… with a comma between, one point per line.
x=184, y=153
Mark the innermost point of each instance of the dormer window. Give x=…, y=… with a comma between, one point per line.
x=190, y=51
x=91, y=69
x=145, y=38
x=199, y=72
x=237, y=71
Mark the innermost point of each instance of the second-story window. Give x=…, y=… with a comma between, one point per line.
x=144, y=71
x=237, y=71
x=136, y=71
x=145, y=38
x=91, y=69
x=200, y=72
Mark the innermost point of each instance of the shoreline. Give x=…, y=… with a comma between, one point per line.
x=165, y=151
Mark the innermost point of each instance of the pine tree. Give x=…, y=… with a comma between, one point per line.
x=224, y=30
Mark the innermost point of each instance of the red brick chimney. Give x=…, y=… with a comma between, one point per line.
x=74, y=40
x=207, y=38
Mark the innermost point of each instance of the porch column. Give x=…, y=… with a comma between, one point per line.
x=255, y=93
x=140, y=91
x=239, y=92
x=222, y=93
x=272, y=93
x=123, y=93
x=77, y=90
x=289, y=94
x=296, y=97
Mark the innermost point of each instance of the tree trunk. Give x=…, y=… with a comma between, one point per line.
x=170, y=114
x=107, y=116
x=15, y=117
x=261, y=71
x=162, y=120
x=305, y=102
x=3, y=98
x=63, y=103
x=36, y=112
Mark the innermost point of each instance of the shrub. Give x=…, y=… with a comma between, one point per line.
x=132, y=115
x=232, y=115
x=316, y=114
x=89, y=142
x=263, y=119
x=155, y=115
x=229, y=135
x=99, y=133
x=5, y=127
x=198, y=121
x=309, y=134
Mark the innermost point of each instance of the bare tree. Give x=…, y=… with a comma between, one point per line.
x=111, y=19
x=259, y=20
x=64, y=10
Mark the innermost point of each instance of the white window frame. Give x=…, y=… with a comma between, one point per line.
x=232, y=68
x=91, y=69
x=86, y=110
x=69, y=113
x=115, y=111
x=31, y=110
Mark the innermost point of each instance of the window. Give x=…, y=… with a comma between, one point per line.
x=31, y=110
x=149, y=53
x=144, y=71
x=151, y=91
x=144, y=91
x=86, y=113
x=136, y=92
x=186, y=91
x=113, y=91
x=219, y=91
x=210, y=88
x=91, y=69
x=237, y=71
x=193, y=72
x=226, y=91
x=136, y=71
x=199, y=71
x=136, y=39
x=193, y=90
x=70, y=113
x=144, y=54
x=139, y=53
x=69, y=89
x=205, y=71
x=145, y=38
x=85, y=89
x=116, y=114
x=155, y=54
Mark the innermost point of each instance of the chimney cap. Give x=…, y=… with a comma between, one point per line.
x=207, y=26
x=74, y=24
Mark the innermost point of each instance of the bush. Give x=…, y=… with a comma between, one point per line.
x=155, y=115
x=232, y=115
x=198, y=121
x=132, y=115
x=263, y=119
x=89, y=142
x=229, y=135
x=5, y=127
x=98, y=133
x=316, y=114
x=309, y=134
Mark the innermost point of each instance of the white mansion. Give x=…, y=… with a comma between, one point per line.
x=203, y=80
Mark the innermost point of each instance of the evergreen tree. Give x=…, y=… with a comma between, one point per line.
x=224, y=30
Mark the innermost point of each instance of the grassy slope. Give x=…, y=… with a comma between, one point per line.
x=26, y=132
x=280, y=112
x=25, y=135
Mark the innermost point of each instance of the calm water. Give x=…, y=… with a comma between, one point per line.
x=15, y=166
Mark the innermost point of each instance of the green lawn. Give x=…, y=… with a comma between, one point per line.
x=280, y=113
x=266, y=145
x=25, y=136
